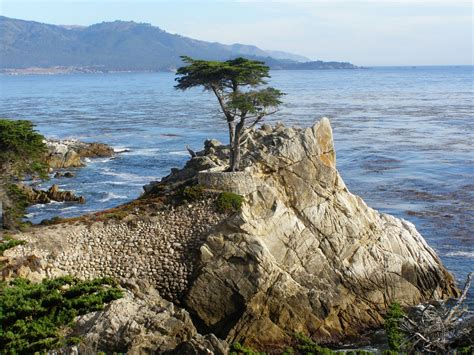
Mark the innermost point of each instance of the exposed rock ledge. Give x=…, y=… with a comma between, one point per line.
x=35, y=196
x=143, y=323
x=70, y=153
x=302, y=255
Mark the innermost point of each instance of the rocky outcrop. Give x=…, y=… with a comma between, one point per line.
x=66, y=174
x=29, y=267
x=35, y=196
x=304, y=254
x=141, y=323
x=214, y=156
x=207, y=344
x=70, y=153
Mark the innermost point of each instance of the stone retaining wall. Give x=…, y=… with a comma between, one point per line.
x=162, y=250
x=239, y=182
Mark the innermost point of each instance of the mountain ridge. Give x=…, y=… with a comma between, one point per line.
x=123, y=46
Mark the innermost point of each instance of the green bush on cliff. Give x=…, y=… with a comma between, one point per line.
x=306, y=345
x=33, y=315
x=8, y=242
x=17, y=206
x=22, y=148
x=193, y=193
x=229, y=202
x=22, y=152
x=393, y=318
x=239, y=349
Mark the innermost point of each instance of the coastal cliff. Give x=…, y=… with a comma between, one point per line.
x=301, y=255
x=304, y=254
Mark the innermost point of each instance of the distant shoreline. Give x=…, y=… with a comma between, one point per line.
x=89, y=70
x=65, y=70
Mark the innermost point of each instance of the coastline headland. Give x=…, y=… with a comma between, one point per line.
x=279, y=248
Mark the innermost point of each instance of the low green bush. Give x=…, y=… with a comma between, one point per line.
x=15, y=210
x=239, y=349
x=466, y=350
x=33, y=315
x=229, y=202
x=8, y=243
x=193, y=193
x=22, y=148
x=52, y=221
x=306, y=345
x=393, y=318
x=22, y=152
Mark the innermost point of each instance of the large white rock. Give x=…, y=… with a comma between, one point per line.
x=304, y=254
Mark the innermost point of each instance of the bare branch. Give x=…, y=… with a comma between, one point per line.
x=437, y=326
x=459, y=303
x=258, y=119
x=220, y=99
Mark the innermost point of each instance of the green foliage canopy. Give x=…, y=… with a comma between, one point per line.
x=235, y=83
x=22, y=148
x=393, y=318
x=32, y=315
x=228, y=74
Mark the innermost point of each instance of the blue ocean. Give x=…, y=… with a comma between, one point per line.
x=404, y=137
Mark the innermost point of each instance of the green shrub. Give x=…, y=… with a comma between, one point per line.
x=33, y=315
x=15, y=209
x=239, y=349
x=392, y=326
x=306, y=345
x=229, y=202
x=118, y=215
x=193, y=193
x=8, y=243
x=52, y=221
x=466, y=350
x=22, y=148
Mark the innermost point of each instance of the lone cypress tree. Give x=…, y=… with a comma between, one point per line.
x=237, y=85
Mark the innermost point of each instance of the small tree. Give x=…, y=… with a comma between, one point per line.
x=237, y=84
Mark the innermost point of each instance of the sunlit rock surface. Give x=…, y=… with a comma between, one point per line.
x=304, y=254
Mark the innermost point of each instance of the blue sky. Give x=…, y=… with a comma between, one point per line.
x=364, y=32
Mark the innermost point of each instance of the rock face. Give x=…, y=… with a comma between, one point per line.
x=141, y=323
x=70, y=153
x=304, y=254
x=52, y=194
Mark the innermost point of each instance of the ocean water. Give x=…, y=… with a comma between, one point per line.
x=404, y=137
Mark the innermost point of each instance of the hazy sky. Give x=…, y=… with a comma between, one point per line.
x=370, y=32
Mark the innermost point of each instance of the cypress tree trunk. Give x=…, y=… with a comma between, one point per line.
x=231, y=126
x=235, y=157
x=235, y=151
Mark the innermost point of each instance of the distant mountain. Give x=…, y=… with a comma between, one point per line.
x=122, y=46
x=286, y=55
